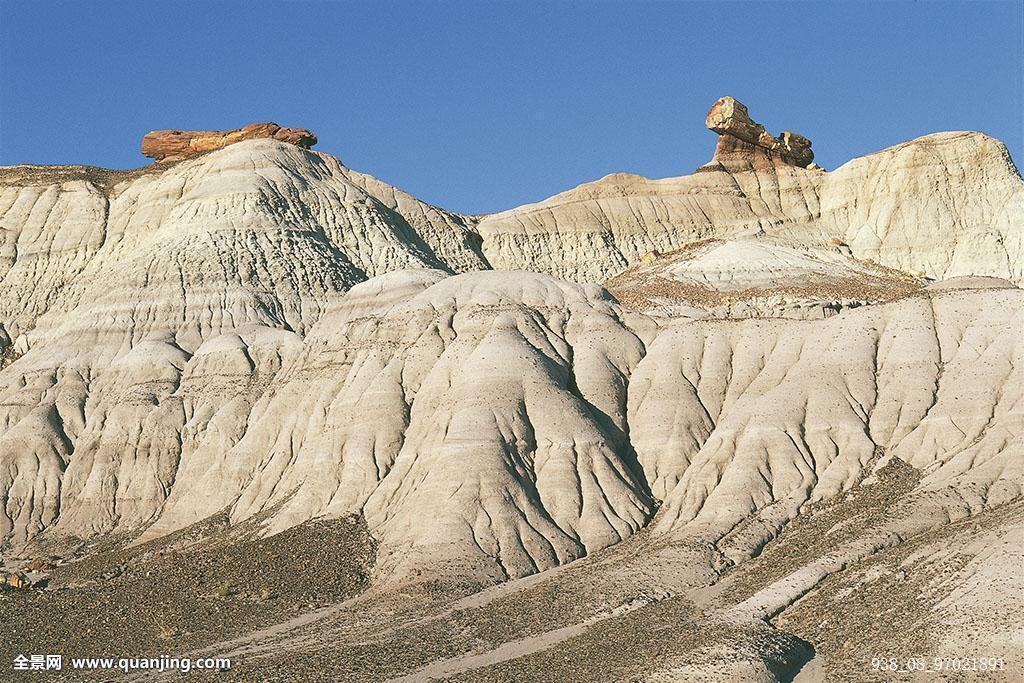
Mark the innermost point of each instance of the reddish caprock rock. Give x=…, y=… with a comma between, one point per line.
x=174, y=145
x=745, y=143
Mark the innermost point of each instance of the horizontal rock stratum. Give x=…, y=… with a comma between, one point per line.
x=799, y=395
x=175, y=145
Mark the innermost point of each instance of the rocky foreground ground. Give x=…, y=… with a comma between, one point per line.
x=298, y=606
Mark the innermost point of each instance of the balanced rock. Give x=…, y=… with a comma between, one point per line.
x=174, y=145
x=743, y=139
x=729, y=116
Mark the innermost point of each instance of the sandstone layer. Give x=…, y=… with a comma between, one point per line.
x=175, y=145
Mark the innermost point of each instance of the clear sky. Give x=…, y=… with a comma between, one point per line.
x=482, y=106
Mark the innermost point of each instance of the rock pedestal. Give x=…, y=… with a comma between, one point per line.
x=744, y=142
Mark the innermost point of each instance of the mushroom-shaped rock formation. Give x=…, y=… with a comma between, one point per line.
x=175, y=145
x=745, y=142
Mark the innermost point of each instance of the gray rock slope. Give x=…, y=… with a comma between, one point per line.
x=258, y=231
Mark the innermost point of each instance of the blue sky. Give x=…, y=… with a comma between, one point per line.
x=479, y=107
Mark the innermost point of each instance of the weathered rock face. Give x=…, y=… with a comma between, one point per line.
x=174, y=145
x=746, y=141
x=946, y=204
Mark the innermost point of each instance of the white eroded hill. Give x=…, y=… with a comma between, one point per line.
x=947, y=204
x=263, y=333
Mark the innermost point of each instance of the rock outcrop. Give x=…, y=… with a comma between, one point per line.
x=175, y=145
x=946, y=205
x=744, y=141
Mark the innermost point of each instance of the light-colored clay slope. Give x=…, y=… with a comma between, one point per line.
x=495, y=424
x=452, y=418
x=213, y=266
x=947, y=204
x=759, y=276
x=260, y=231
